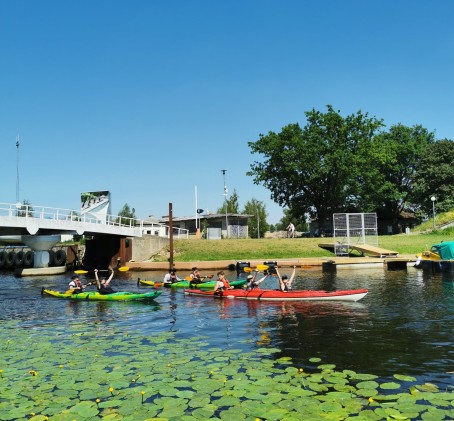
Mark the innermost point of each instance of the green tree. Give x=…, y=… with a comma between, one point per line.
x=312, y=170
x=125, y=214
x=232, y=204
x=387, y=167
x=257, y=224
x=434, y=176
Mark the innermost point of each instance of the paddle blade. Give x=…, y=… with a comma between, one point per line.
x=247, y=270
x=123, y=269
x=188, y=278
x=262, y=267
x=81, y=272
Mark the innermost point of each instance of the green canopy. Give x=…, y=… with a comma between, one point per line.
x=445, y=250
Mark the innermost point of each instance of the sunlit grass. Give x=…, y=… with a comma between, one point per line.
x=281, y=248
x=420, y=238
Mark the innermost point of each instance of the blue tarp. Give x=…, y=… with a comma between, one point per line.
x=445, y=250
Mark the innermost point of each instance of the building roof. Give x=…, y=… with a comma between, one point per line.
x=165, y=219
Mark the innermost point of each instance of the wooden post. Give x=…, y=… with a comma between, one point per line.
x=170, y=237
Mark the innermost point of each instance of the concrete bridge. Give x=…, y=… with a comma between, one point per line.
x=40, y=228
x=41, y=220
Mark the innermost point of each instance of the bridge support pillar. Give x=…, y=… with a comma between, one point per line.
x=41, y=244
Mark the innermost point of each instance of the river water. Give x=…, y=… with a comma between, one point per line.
x=404, y=325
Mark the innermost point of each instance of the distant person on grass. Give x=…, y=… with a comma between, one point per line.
x=291, y=230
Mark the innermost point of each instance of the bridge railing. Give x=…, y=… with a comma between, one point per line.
x=68, y=215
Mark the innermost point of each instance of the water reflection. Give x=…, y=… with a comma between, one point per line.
x=404, y=324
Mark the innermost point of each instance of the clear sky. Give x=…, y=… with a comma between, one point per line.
x=151, y=98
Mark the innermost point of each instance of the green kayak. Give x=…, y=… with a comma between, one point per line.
x=96, y=296
x=207, y=285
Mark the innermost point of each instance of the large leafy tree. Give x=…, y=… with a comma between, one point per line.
x=434, y=176
x=257, y=225
x=313, y=170
x=387, y=166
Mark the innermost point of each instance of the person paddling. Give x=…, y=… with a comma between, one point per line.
x=75, y=286
x=170, y=278
x=104, y=284
x=196, y=278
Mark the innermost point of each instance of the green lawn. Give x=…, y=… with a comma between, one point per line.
x=246, y=249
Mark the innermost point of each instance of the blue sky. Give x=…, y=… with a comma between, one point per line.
x=149, y=99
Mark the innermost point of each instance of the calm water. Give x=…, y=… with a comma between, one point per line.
x=404, y=325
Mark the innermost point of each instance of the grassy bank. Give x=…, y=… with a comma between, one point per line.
x=247, y=249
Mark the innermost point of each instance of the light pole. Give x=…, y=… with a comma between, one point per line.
x=225, y=202
x=433, y=211
x=17, y=172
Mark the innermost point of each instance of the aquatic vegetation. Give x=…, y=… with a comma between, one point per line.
x=73, y=373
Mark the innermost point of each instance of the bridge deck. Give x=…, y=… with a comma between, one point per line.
x=364, y=249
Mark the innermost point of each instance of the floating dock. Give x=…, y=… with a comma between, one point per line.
x=364, y=249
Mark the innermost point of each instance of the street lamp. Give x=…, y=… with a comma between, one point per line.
x=17, y=171
x=433, y=211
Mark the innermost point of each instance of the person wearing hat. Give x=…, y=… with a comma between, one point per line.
x=285, y=284
x=252, y=283
x=75, y=286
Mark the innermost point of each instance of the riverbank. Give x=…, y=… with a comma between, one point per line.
x=302, y=263
x=191, y=250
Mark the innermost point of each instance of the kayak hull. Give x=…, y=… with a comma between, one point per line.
x=275, y=295
x=96, y=296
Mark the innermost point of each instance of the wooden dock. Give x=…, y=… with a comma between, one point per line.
x=364, y=249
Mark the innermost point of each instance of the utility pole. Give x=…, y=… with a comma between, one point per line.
x=225, y=202
x=171, y=236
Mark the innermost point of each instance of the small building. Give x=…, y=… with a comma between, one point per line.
x=212, y=226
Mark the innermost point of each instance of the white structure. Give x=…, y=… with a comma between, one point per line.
x=354, y=229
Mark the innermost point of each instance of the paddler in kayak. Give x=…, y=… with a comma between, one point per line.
x=252, y=283
x=285, y=284
x=221, y=284
x=75, y=286
x=170, y=278
x=196, y=278
x=104, y=284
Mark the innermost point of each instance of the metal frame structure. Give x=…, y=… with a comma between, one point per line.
x=353, y=229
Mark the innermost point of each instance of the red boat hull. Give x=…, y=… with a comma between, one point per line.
x=275, y=295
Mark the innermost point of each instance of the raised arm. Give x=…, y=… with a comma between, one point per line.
x=292, y=277
x=110, y=277
x=261, y=280
x=279, y=278
x=97, y=279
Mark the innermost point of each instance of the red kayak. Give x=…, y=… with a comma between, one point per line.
x=276, y=295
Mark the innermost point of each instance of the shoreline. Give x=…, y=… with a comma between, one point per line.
x=303, y=263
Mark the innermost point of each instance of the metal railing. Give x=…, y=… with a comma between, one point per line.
x=71, y=215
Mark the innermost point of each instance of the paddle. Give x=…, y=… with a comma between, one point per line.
x=188, y=278
x=260, y=268
x=83, y=272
